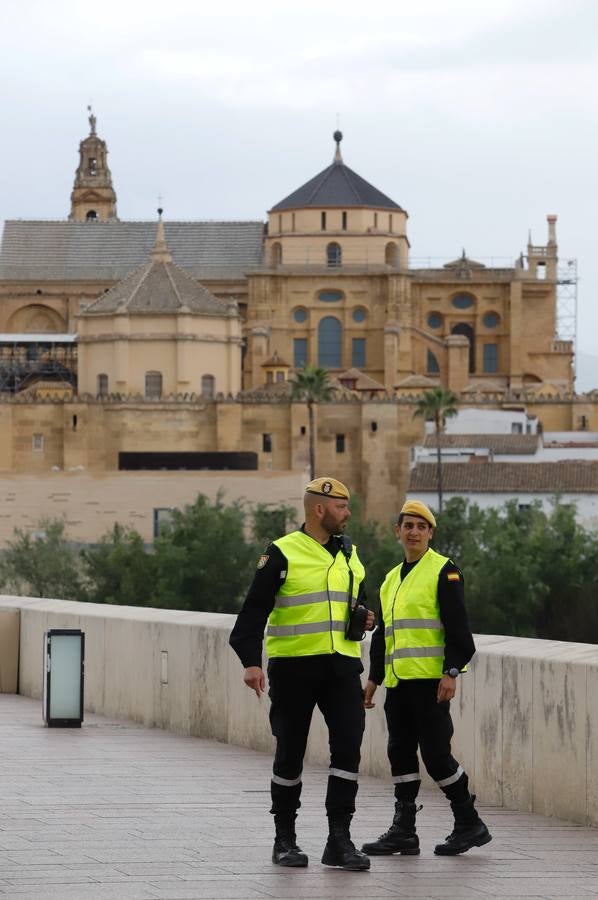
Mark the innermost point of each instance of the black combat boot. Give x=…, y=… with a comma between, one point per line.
x=401, y=836
x=285, y=851
x=340, y=849
x=469, y=830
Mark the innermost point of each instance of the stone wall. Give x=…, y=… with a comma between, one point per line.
x=91, y=504
x=525, y=715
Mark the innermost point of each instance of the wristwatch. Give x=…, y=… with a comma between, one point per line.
x=452, y=672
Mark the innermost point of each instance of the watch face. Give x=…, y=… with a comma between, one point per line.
x=453, y=672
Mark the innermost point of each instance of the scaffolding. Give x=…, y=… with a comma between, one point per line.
x=27, y=359
x=566, y=303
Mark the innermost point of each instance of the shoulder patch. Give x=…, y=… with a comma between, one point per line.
x=262, y=561
x=453, y=576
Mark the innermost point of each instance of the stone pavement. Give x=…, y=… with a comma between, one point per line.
x=122, y=812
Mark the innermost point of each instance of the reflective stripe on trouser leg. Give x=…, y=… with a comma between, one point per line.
x=407, y=786
x=451, y=779
x=400, y=779
x=285, y=793
x=341, y=792
x=286, y=782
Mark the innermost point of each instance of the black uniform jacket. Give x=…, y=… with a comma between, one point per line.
x=247, y=635
x=458, y=641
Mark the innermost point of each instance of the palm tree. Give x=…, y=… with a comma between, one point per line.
x=312, y=384
x=437, y=405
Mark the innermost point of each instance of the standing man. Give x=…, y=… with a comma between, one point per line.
x=422, y=644
x=307, y=588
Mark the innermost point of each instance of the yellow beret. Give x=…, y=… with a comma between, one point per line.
x=328, y=487
x=417, y=508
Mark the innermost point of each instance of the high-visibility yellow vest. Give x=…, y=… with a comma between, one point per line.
x=312, y=608
x=414, y=634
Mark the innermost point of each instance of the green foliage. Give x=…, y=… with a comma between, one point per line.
x=267, y=524
x=42, y=564
x=202, y=559
x=377, y=548
x=526, y=573
x=119, y=570
x=437, y=405
x=312, y=384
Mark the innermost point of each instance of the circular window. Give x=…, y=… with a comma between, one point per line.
x=491, y=319
x=300, y=314
x=434, y=320
x=463, y=301
x=359, y=314
x=331, y=296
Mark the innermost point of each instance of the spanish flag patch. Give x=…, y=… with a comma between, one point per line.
x=453, y=576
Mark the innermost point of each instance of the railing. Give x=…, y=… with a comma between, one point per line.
x=525, y=714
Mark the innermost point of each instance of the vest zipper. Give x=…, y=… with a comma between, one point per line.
x=330, y=605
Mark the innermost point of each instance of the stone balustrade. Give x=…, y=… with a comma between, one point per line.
x=526, y=716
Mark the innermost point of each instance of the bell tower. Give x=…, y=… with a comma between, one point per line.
x=93, y=198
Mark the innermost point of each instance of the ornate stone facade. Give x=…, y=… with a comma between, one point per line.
x=326, y=281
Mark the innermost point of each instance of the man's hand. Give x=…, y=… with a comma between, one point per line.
x=370, y=690
x=255, y=679
x=447, y=687
x=370, y=621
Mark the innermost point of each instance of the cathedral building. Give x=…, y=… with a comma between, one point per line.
x=171, y=337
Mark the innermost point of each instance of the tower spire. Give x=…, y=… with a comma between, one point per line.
x=160, y=251
x=338, y=136
x=93, y=198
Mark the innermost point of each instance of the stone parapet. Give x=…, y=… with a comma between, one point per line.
x=526, y=722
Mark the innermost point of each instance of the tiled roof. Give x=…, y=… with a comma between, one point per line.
x=497, y=443
x=159, y=287
x=567, y=476
x=338, y=185
x=111, y=250
x=362, y=381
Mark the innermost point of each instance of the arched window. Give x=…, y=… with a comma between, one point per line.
x=102, y=385
x=276, y=254
x=467, y=330
x=207, y=386
x=432, y=366
x=391, y=255
x=91, y=215
x=153, y=385
x=334, y=254
x=330, y=334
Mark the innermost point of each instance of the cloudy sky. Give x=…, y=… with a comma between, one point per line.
x=479, y=118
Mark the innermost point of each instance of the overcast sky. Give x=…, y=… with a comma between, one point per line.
x=479, y=118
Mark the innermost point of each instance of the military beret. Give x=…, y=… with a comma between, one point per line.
x=417, y=508
x=328, y=487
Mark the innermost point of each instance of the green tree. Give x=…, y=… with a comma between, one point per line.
x=202, y=558
x=312, y=385
x=267, y=523
x=377, y=548
x=437, y=406
x=119, y=570
x=42, y=564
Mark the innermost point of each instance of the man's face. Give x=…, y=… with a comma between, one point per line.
x=336, y=515
x=415, y=535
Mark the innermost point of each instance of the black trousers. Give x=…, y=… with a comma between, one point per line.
x=415, y=719
x=332, y=683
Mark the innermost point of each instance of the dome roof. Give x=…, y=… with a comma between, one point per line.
x=338, y=185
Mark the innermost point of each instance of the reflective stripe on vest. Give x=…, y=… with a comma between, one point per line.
x=311, y=608
x=414, y=635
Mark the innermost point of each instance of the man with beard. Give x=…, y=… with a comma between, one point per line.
x=307, y=587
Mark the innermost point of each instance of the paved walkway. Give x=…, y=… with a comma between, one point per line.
x=122, y=812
